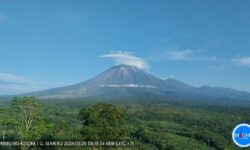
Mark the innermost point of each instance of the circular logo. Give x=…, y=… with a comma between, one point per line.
x=241, y=135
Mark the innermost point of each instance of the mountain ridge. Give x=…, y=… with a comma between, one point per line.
x=129, y=81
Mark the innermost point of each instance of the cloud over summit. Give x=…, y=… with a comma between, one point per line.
x=127, y=58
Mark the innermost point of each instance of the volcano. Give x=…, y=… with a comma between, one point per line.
x=125, y=81
x=117, y=81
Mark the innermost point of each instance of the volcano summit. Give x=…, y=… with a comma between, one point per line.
x=129, y=81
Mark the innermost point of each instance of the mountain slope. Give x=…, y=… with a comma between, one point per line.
x=123, y=75
x=128, y=81
x=178, y=85
x=227, y=93
x=118, y=81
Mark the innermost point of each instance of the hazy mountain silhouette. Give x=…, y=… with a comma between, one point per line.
x=128, y=81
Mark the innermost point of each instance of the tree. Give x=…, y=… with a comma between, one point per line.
x=103, y=122
x=28, y=113
x=6, y=125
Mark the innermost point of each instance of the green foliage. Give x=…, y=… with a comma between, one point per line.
x=152, y=125
x=28, y=113
x=7, y=124
x=103, y=122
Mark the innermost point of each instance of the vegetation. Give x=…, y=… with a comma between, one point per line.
x=146, y=125
x=103, y=122
x=29, y=122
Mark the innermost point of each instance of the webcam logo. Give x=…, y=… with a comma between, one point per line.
x=241, y=135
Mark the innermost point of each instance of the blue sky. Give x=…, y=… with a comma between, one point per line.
x=46, y=43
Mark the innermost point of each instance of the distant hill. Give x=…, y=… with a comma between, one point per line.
x=128, y=81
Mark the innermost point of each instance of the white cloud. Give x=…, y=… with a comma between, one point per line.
x=127, y=58
x=244, y=61
x=217, y=67
x=179, y=55
x=3, y=18
x=11, y=88
x=14, y=84
x=6, y=77
x=189, y=55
